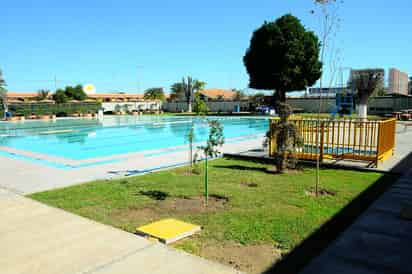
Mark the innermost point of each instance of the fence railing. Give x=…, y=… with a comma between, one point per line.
x=356, y=139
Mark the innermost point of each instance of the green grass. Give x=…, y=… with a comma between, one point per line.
x=277, y=211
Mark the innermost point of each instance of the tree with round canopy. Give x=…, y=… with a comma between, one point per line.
x=283, y=56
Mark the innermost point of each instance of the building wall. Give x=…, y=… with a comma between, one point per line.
x=410, y=85
x=312, y=104
x=327, y=91
x=376, y=105
x=228, y=106
x=144, y=105
x=398, y=82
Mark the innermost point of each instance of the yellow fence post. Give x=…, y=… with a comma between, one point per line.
x=372, y=141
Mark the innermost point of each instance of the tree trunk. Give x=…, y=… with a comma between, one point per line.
x=363, y=109
x=189, y=107
x=279, y=97
x=281, y=161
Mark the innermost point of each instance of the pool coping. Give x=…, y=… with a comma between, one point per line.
x=61, y=162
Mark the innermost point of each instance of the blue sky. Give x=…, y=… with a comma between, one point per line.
x=124, y=45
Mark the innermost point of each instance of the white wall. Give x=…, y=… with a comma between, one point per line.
x=213, y=106
x=146, y=105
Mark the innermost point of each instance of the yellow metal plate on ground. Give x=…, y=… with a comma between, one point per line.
x=168, y=230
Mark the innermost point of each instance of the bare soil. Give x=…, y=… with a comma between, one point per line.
x=321, y=192
x=194, y=204
x=168, y=207
x=250, y=259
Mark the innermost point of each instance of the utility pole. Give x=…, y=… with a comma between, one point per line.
x=137, y=77
x=55, y=83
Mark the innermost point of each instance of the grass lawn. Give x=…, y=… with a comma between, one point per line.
x=264, y=215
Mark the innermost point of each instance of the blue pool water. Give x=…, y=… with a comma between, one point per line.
x=80, y=139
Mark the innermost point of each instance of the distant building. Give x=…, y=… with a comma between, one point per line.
x=410, y=85
x=398, y=82
x=327, y=92
x=116, y=97
x=20, y=97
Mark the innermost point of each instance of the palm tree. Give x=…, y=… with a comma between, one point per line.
x=43, y=94
x=3, y=94
x=191, y=86
x=177, y=92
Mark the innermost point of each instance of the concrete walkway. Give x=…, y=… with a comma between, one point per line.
x=36, y=238
x=380, y=241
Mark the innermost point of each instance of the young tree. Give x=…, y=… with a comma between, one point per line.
x=42, y=94
x=3, y=94
x=283, y=56
x=366, y=82
x=190, y=87
x=327, y=12
x=239, y=95
x=75, y=93
x=191, y=138
x=60, y=97
x=211, y=149
x=155, y=94
x=199, y=106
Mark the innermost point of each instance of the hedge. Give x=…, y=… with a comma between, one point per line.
x=26, y=109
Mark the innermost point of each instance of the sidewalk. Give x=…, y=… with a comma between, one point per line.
x=380, y=241
x=36, y=238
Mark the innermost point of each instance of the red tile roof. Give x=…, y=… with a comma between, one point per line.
x=218, y=93
x=116, y=96
x=21, y=95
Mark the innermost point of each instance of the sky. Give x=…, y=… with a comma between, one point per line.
x=129, y=45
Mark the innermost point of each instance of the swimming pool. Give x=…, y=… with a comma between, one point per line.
x=83, y=139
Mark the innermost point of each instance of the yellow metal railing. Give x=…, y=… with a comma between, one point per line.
x=370, y=140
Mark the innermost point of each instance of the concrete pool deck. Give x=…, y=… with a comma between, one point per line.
x=26, y=176
x=36, y=238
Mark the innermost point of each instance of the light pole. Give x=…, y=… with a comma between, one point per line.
x=137, y=77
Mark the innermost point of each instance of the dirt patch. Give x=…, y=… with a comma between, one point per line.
x=321, y=192
x=167, y=208
x=195, y=171
x=194, y=204
x=292, y=171
x=250, y=258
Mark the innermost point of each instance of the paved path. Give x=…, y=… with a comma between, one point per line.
x=36, y=238
x=380, y=241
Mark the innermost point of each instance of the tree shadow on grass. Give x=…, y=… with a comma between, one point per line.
x=240, y=167
x=155, y=194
